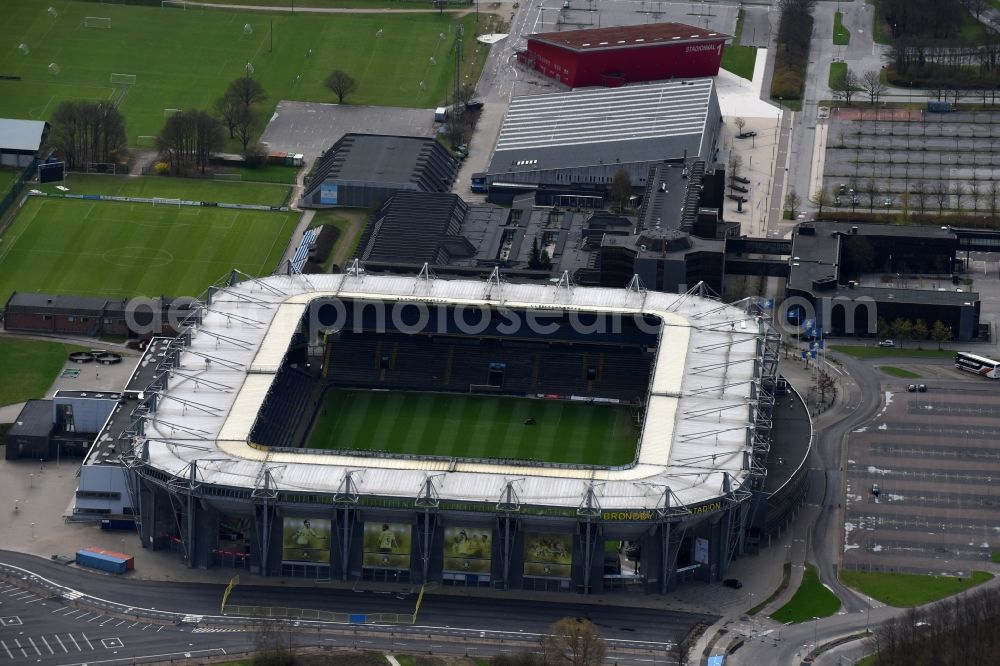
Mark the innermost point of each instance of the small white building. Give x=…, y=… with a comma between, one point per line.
x=20, y=141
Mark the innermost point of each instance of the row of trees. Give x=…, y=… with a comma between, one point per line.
x=190, y=138
x=848, y=84
x=902, y=330
x=792, y=57
x=86, y=132
x=937, y=19
x=960, y=631
x=947, y=64
x=973, y=196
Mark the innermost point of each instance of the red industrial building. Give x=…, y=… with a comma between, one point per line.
x=625, y=54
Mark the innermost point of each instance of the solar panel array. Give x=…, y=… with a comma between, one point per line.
x=302, y=253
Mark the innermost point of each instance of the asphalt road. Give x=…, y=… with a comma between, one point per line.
x=60, y=630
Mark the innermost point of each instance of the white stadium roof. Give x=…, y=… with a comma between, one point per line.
x=695, y=432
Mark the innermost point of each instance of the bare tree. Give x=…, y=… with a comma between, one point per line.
x=825, y=384
x=246, y=127
x=870, y=191
x=740, y=124
x=820, y=198
x=735, y=164
x=340, y=84
x=247, y=91
x=575, y=642
x=271, y=643
x=919, y=191
x=85, y=132
x=958, y=191
x=792, y=203
x=975, y=192
x=871, y=83
x=940, y=193
x=994, y=199
x=845, y=86
x=621, y=190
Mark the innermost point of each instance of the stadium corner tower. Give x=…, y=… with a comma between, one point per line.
x=416, y=429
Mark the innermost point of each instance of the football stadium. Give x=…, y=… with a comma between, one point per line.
x=477, y=433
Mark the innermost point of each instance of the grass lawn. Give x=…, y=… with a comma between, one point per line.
x=7, y=178
x=739, y=59
x=269, y=173
x=841, y=35
x=117, y=249
x=898, y=372
x=858, y=351
x=28, y=367
x=812, y=599
x=168, y=187
x=185, y=59
x=838, y=70
x=347, y=242
x=995, y=557
x=905, y=590
x=475, y=426
x=785, y=575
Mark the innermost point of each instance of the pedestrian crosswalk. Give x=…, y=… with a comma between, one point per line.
x=193, y=619
x=218, y=630
x=46, y=645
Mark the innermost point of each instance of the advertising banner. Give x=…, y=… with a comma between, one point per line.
x=305, y=540
x=468, y=549
x=387, y=545
x=548, y=555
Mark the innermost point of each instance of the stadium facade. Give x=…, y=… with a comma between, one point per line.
x=205, y=444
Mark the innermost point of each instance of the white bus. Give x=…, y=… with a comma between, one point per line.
x=978, y=364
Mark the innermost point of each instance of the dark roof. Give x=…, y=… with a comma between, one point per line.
x=23, y=136
x=629, y=36
x=416, y=227
x=406, y=162
x=34, y=420
x=57, y=304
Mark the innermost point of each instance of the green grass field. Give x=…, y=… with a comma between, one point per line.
x=116, y=249
x=28, y=367
x=858, y=351
x=905, y=590
x=192, y=189
x=185, y=59
x=812, y=599
x=838, y=70
x=475, y=426
x=841, y=35
x=739, y=59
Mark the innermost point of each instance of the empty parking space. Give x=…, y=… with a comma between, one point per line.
x=921, y=493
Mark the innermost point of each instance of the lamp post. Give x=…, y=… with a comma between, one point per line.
x=32, y=530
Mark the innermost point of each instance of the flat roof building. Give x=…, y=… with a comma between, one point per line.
x=20, y=141
x=583, y=137
x=364, y=170
x=618, y=55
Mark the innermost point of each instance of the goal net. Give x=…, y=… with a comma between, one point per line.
x=122, y=79
x=174, y=4
x=96, y=22
x=169, y=112
x=53, y=68
x=23, y=49
x=166, y=202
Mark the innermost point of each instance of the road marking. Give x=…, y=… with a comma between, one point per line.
x=160, y=629
x=17, y=644
x=121, y=623
x=34, y=601
x=96, y=617
x=35, y=646
x=7, y=649
x=80, y=617
x=59, y=609
x=87, y=639
x=110, y=619
x=51, y=651
x=61, y=643
x=78, y=648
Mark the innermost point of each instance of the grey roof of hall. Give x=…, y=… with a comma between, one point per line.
x=145, y=370
x=791, y=439
x=21, y=135
x=600, y=126
x=70, y=304
x=107, y=446
x=34, y=420
x=817, y=256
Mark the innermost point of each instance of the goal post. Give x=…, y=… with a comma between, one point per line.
x=122, y=79
x=174, y=4
x=97, y=22
x=169, y=112
x=158, y=201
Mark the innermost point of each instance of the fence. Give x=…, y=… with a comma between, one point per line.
x=10, y=197
x=284, y=613
x=159, y=201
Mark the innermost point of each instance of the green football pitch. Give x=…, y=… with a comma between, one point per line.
x=70, y=246
x=185, y=58
x=190, y=189
x=475, y=426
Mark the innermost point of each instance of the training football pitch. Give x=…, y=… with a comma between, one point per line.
x=94, y=248
x=184, y=59
x=475, y=426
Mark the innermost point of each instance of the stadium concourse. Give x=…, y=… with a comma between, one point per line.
x=213, y=424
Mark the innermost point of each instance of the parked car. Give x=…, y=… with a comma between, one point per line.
x=733, y=583
x=922, y=388
x=886, y=343
x=875, y=490
x=911, y=388
x=474, y=105
x=746, y=135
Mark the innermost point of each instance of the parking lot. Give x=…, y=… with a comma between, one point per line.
x=944, y=161
x=921, y=490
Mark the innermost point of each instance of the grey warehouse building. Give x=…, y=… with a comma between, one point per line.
x=364, y=170
x=583, y=137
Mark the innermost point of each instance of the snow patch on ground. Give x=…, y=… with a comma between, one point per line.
x=875, y=470
x=850, y=462
x=877, y=548
x=888, y=401
x=862, y=429
x=849, y=527
x=884, y=426
x=850, y=546
x=895, y=498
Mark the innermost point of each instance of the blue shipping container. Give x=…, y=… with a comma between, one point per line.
x=101, y=561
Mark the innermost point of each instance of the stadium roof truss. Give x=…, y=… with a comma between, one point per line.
x=705, y=434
